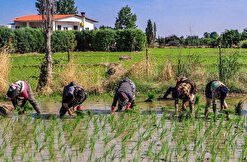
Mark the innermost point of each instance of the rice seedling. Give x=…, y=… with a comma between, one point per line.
x=238, y=107
x=14, y=151
x=150, y=98
x=92, y=147
x=150, y=149
x=123, y=149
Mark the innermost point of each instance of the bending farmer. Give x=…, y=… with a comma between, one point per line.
x=185, y=90
x=21, y=90
x=215, y=90
x=73, y=97
x=124, y=95
x=171, y=89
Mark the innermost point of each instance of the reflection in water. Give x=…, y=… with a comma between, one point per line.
x=53, y=107
x=244, y=109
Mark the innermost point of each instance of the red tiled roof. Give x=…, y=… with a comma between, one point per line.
x=39, y=17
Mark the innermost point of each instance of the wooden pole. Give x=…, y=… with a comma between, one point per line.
x=220, y=63
x=147, y=62
x=69, y=55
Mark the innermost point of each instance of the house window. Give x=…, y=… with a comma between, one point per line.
x=17, y=27
x=65, y=28
x=59, y=27
x=86, y=28
x=75, y=27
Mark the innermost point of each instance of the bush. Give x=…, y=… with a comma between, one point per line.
x=230, y=67
x=161, y=41
x=104, y=39
x=130, y=40
x=187, y=65
x=84, y=40
x=243, y=44
x=6, y=37
x=29, y=40
x=62, y=41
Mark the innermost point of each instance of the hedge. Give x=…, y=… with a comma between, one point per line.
x=26, y=40
x=84, y=40
x=61, y=41
x=7, y=37
x=104, y=39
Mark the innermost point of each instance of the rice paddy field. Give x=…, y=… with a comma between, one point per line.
x=138, y=135
x=149, y=132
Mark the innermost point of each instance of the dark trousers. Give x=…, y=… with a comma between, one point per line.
x=169, y=91
x=62, y=111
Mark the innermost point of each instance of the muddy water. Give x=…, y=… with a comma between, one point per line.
x=53, y=107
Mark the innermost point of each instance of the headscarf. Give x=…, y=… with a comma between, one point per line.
x=13, y=91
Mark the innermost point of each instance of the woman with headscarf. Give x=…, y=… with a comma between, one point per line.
x=21, y=90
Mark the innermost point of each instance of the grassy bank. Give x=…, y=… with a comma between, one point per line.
x=89, y=68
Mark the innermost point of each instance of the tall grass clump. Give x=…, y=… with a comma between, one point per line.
x=143, y=70
x=229, y=67
x=187, y=65
x=5, y=66
x=89, y=78
x=167, y=72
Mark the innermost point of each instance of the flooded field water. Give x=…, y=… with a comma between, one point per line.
x=145, y=134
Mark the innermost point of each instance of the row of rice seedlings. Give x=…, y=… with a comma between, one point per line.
x=172, y=140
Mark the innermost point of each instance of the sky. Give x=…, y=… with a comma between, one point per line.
x=179, y=17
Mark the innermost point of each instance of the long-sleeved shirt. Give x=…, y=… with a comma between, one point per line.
x=128, y=87
x=215, y=90
x=68, y=95
x=24, y=93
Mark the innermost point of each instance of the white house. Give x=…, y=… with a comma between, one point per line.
x=61, y=22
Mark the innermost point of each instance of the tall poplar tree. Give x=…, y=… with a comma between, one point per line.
x=150, y=32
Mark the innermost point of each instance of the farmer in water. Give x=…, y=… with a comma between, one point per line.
x=21, y=90
x=124, y=95
x=181, y=80
x=216, y=90
x=185, y=90
x=73, y=97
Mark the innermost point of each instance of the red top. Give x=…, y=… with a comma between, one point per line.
x=24, y=92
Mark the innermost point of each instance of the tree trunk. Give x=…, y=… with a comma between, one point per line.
x=45, y=78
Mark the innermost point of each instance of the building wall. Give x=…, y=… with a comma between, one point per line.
x=88, y=25
x=65, y=24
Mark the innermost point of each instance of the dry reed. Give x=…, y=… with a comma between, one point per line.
x=5, y=65
x=87, y=78
x=142, y=70
x=167, y=73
